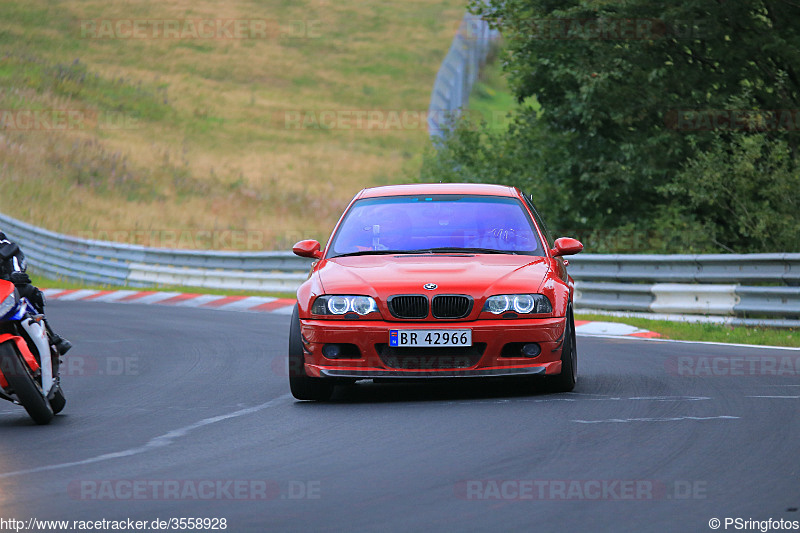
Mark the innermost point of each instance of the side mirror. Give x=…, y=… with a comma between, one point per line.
x=566, y=246
x=309, y=248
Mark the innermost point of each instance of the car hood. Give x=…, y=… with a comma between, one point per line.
x=477, y=275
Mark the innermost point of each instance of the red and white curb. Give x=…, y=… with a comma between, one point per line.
x=614, y=329
x=267, y=304
x=262, y=304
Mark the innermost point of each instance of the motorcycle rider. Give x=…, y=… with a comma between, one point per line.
x=13, y=269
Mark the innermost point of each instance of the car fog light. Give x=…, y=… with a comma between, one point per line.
x=331, y=351
x=531, y=350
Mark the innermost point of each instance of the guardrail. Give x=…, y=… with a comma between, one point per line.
x=781, y=269
x=107, y=263
x=725, y=285
x=458, y=72
x=742, y=286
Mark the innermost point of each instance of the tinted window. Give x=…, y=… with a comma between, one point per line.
x=406, y=223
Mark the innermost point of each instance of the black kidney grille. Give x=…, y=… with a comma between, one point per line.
x=408, y=306
x=451, y=306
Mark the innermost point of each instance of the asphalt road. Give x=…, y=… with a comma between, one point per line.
x=185, y=413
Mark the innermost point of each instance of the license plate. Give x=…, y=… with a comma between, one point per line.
x=430, y=337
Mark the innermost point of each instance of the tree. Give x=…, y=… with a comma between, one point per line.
x=638, y=96
x=742, y=194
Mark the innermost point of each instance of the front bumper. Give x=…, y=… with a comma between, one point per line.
x=489, y=356
x=427, y=374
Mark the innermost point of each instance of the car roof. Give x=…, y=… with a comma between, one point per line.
x=439, y=188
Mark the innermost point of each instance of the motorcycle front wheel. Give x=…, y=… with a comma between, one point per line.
x=28, y=391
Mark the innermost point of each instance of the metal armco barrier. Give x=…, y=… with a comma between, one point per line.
x=782, y=269
x=107, y=263
x=679, y=284
x=458, y=72
x=744, y=286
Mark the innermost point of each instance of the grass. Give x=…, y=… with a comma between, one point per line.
x=492, y=100
x=192, y=134
x=789, y=337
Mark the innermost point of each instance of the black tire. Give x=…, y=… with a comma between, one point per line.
x=58, y=401
x=302, y=386
x=28, y=391
x=565, y=381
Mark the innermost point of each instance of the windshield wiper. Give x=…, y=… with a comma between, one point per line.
x=378, y=252
x=450, y=249
x=441, y=250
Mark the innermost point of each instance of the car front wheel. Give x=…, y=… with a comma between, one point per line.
x=303, y=386
x=565, y=381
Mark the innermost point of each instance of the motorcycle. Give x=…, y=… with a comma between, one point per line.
x=29, y=363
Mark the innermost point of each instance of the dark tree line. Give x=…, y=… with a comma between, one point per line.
x=665, y=128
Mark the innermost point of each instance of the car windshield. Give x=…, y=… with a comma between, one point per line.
x=436, y=223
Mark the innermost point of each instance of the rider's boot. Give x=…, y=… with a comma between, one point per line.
x=61, y=344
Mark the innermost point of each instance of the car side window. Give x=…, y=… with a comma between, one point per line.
x=540, y=222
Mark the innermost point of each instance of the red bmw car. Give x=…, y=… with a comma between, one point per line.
x=434, y=281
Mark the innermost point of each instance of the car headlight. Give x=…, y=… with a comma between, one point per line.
x=341, y=304
x=524, y=304
x=7, y=305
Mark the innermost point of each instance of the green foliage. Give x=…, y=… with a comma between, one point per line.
x=475, y=152
x=744, y=192
x=612, y=151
